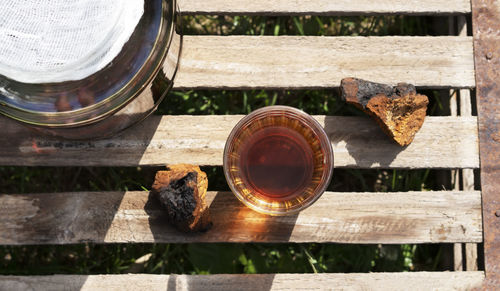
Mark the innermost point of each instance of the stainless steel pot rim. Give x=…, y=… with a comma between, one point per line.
x=118, y=99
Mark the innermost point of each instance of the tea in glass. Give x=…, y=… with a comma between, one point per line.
x=278, y=160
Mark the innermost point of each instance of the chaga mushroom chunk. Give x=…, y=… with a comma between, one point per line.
x=399, y=111
x=181, y=190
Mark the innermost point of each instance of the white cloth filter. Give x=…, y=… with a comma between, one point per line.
x=46, y=41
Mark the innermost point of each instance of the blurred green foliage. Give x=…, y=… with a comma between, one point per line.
x=310, y=25
x=216, y=258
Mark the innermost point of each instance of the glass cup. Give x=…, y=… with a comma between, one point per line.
x=278, y=160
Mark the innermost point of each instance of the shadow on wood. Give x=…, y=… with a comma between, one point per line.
x=150, y=282
x=220, y=282
x=62, y=219
x=232, y=222
x=24, y=146
x=118, y=217
x=367, y=147
x=354, y=281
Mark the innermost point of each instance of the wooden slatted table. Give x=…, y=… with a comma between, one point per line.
x=284, y=62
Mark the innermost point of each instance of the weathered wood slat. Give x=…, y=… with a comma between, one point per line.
x=373, y=281
x=112, y=217
x=324, y=7
x=243, y=62
x=470, y=258
x=443, y=142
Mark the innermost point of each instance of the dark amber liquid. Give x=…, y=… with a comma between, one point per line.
x=277, y=162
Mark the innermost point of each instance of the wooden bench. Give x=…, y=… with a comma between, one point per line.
x=292, y=62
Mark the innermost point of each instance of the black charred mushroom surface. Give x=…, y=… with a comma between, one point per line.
x=181, y=191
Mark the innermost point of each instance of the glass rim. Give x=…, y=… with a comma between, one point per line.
x=304, y=118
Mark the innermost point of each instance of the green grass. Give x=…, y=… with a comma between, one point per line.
x=217, y=258
x=238, y=258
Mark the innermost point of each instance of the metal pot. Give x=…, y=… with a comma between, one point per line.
x=123, y=93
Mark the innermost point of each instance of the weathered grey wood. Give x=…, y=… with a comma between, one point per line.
x=443, y=142
x=471, y=256
x=455, y=174
x=240, y=62
x=467, y=174
x=374, y=281
x=111, y=217
x=458, y=263
x=458, y=259
x=324, y=7
x=465, y=96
